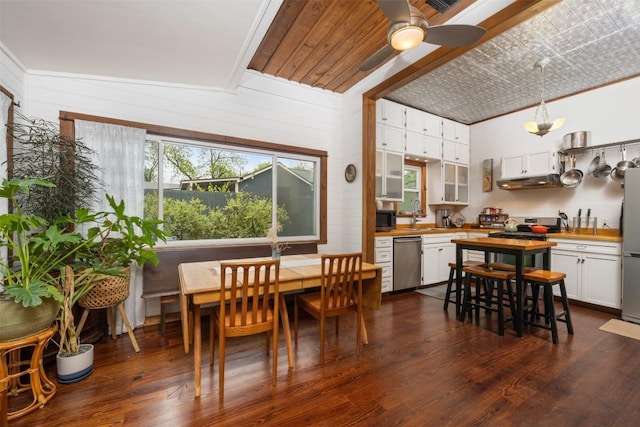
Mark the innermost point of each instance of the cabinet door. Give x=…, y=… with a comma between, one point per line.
x=389, y=113
x=420, y=146
x=449, y=182
x=541, y=163
x=462, y=184
x=414, y=144
x=454, y=131
x=512, y=167
x=569, y=263
x=394, y=175
x=390, y=138
x=432, y=125
x=446, y=254
x=379, y=172
x=602, y=280
x=430, y=264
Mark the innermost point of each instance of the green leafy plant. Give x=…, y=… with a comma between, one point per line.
x=36, y=249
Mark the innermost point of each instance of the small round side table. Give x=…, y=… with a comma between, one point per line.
x=12, y=368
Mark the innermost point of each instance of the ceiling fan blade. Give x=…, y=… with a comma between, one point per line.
x=395, y=10
x=454, y=35
x=377, y=58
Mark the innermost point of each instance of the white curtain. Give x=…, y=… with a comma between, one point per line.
x=5, y=103
x=119, y=154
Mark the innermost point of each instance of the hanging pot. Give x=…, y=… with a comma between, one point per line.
x=595, y=164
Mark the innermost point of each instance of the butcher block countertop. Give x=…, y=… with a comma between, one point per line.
x=604, y=235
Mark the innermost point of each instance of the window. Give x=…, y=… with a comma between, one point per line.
x=205, y=191
x=414, y=188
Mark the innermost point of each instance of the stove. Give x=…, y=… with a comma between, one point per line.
x=523, y=235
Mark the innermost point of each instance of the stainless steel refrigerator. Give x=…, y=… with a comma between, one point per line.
x=631, y=247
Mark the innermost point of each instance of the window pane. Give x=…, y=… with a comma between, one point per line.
x=411, y=189
x=297, y=196
x=212, y=192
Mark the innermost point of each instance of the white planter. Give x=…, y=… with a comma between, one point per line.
x=77, y=367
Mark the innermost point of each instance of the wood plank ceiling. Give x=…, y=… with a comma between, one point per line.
x=321, y=43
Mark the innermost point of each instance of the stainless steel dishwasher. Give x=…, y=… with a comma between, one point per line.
x=407, y=262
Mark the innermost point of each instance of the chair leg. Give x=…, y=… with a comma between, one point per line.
x=295, y=320
x=550, y=313
x=125, y=319
x=500, y=285
x=360, y=321
x=565, y=307
x=322, y=327
x=447, y=295
x=221, y=353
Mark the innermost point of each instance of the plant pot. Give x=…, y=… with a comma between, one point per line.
x=107, y=292
x=17, y=321
x=72, y=368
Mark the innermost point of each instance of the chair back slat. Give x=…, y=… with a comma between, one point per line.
x=340, y=275
x=251, y=286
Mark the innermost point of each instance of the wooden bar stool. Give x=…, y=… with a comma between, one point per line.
x=485, y=279
x=547, y=279
x=450, y=288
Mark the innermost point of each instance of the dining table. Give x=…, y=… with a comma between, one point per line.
x=519, y=248
x=200, y=284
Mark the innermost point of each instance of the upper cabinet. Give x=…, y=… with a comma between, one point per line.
x=533, y=164
x=390, y=114
x=454, y=131
x=389, y=138
x=423, y=123
x=455, y=152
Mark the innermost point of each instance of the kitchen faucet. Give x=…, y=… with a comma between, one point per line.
x=416, y=211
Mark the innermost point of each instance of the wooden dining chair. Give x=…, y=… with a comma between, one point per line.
x=252, y=307
x=340, y=293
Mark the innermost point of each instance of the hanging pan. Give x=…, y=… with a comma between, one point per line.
x=573, y=176
x=595, y=164
x=604, y=169
x=617, y=174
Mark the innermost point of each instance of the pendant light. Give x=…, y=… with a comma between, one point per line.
x=542, y=124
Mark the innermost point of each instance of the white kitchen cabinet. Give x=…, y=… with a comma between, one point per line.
x=423, y=123
x=593, y=269
x=390, y=138
x=454, y=131
x=437, y=253
x=389, y=175
x=474, y=255
x=455, y=152
x=423, y=147
x=389, y=113
x=384, y=258
x=532, y=164
x=448, y=184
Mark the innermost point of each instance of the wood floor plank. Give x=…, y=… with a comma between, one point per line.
x=422, y=367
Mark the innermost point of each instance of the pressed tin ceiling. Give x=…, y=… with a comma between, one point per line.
x=590, y=43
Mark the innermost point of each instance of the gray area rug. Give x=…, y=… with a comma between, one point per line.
x=435, y=291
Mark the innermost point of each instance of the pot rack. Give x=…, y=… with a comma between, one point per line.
x=568, y=151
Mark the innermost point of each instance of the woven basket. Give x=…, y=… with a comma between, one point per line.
x=107, y=292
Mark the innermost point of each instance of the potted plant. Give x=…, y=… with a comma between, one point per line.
x=33, y=252
x=100, y=277
x=41, y=151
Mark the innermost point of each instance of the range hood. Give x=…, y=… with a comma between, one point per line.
x=542, y=181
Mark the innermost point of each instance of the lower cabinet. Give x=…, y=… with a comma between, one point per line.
x=594, y=271
x=384, y=258
x=437, y=253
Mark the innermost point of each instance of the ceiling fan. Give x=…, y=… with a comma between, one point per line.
x=409, y=28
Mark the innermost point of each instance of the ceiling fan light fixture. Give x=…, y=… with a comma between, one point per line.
x=542, y=123
x=406, y=37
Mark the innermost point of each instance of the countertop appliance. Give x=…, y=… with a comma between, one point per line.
x=407, y=262
x=443, y=218
x=631, y=247
x=529, y=261
x=385, y=220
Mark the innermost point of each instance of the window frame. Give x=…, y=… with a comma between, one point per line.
x=422, y=192
x=67, y=128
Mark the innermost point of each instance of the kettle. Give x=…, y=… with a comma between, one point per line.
x=511, y=225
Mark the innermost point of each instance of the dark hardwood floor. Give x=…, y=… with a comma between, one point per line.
x=421, y=368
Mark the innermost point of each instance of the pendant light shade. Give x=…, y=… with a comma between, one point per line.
x=542, y=123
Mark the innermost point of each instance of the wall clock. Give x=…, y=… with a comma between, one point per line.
x=350, y=172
